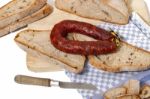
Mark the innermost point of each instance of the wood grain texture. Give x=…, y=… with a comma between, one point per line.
x=21, y=79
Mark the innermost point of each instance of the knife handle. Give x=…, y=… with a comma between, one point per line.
x=28, y=80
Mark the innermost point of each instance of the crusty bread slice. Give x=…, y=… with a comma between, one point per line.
x=129, y=90
x=43, y=12
x=39, y=41
x=18, y=9
x=145, y=92
x=126, y=58
x=43, y=63
x=98, y=9
x=129, y=97
x=115, y=92
x=51, y=62
x=119, y=5
x=57, y=16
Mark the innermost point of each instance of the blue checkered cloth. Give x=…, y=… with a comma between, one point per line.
x=137, y=33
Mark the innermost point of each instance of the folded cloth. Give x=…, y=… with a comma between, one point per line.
x=137, y=33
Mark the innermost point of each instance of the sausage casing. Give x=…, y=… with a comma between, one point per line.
x=102, y=46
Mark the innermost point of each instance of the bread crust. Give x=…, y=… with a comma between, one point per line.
x=145, y=92
x=43, y=12
x=121, y=23
x=52, y=60
x=121, y=65
x=137, y=67
x=9, y=19
x=129, y=97
x=115, y=92
x=125, y=14
x=70, y=66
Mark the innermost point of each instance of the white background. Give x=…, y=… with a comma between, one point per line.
x=13, y=62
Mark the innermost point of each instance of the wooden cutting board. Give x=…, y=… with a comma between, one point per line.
x=37, y=64
x=140, y=7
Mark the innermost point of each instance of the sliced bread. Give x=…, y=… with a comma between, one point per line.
x=57, y=16
x=39, y=41
x=119, y=5
x=18, y=9
x=105, y=10
x=129, y=97
x=51, y=61
x=38, y=62
x=126, y=58
x=52, y=64
x=145, y=92
x=43, y=12
x=115, y=92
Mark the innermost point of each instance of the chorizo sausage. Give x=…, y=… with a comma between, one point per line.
x=102, y=46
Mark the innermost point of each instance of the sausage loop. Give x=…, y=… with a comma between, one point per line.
x=106, y=40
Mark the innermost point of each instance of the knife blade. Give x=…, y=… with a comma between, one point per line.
x=28, y=80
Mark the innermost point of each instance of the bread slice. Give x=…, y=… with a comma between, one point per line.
x=140, y=7
x=105, y=10
x=39, y=41
x=126, y=58
x=133, y=87
x=129, y=97
x=52, y=63
x=145, y=92
x=43, y=63
x=56, y=17
x=43, y=12
x=18, y=9
x=119, y=5
x=115, y=92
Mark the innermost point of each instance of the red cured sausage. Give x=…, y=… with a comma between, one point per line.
x=102, y=46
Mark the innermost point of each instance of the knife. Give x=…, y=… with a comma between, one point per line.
x=28, y=80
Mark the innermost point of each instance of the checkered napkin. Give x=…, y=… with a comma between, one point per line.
x=137, y=33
